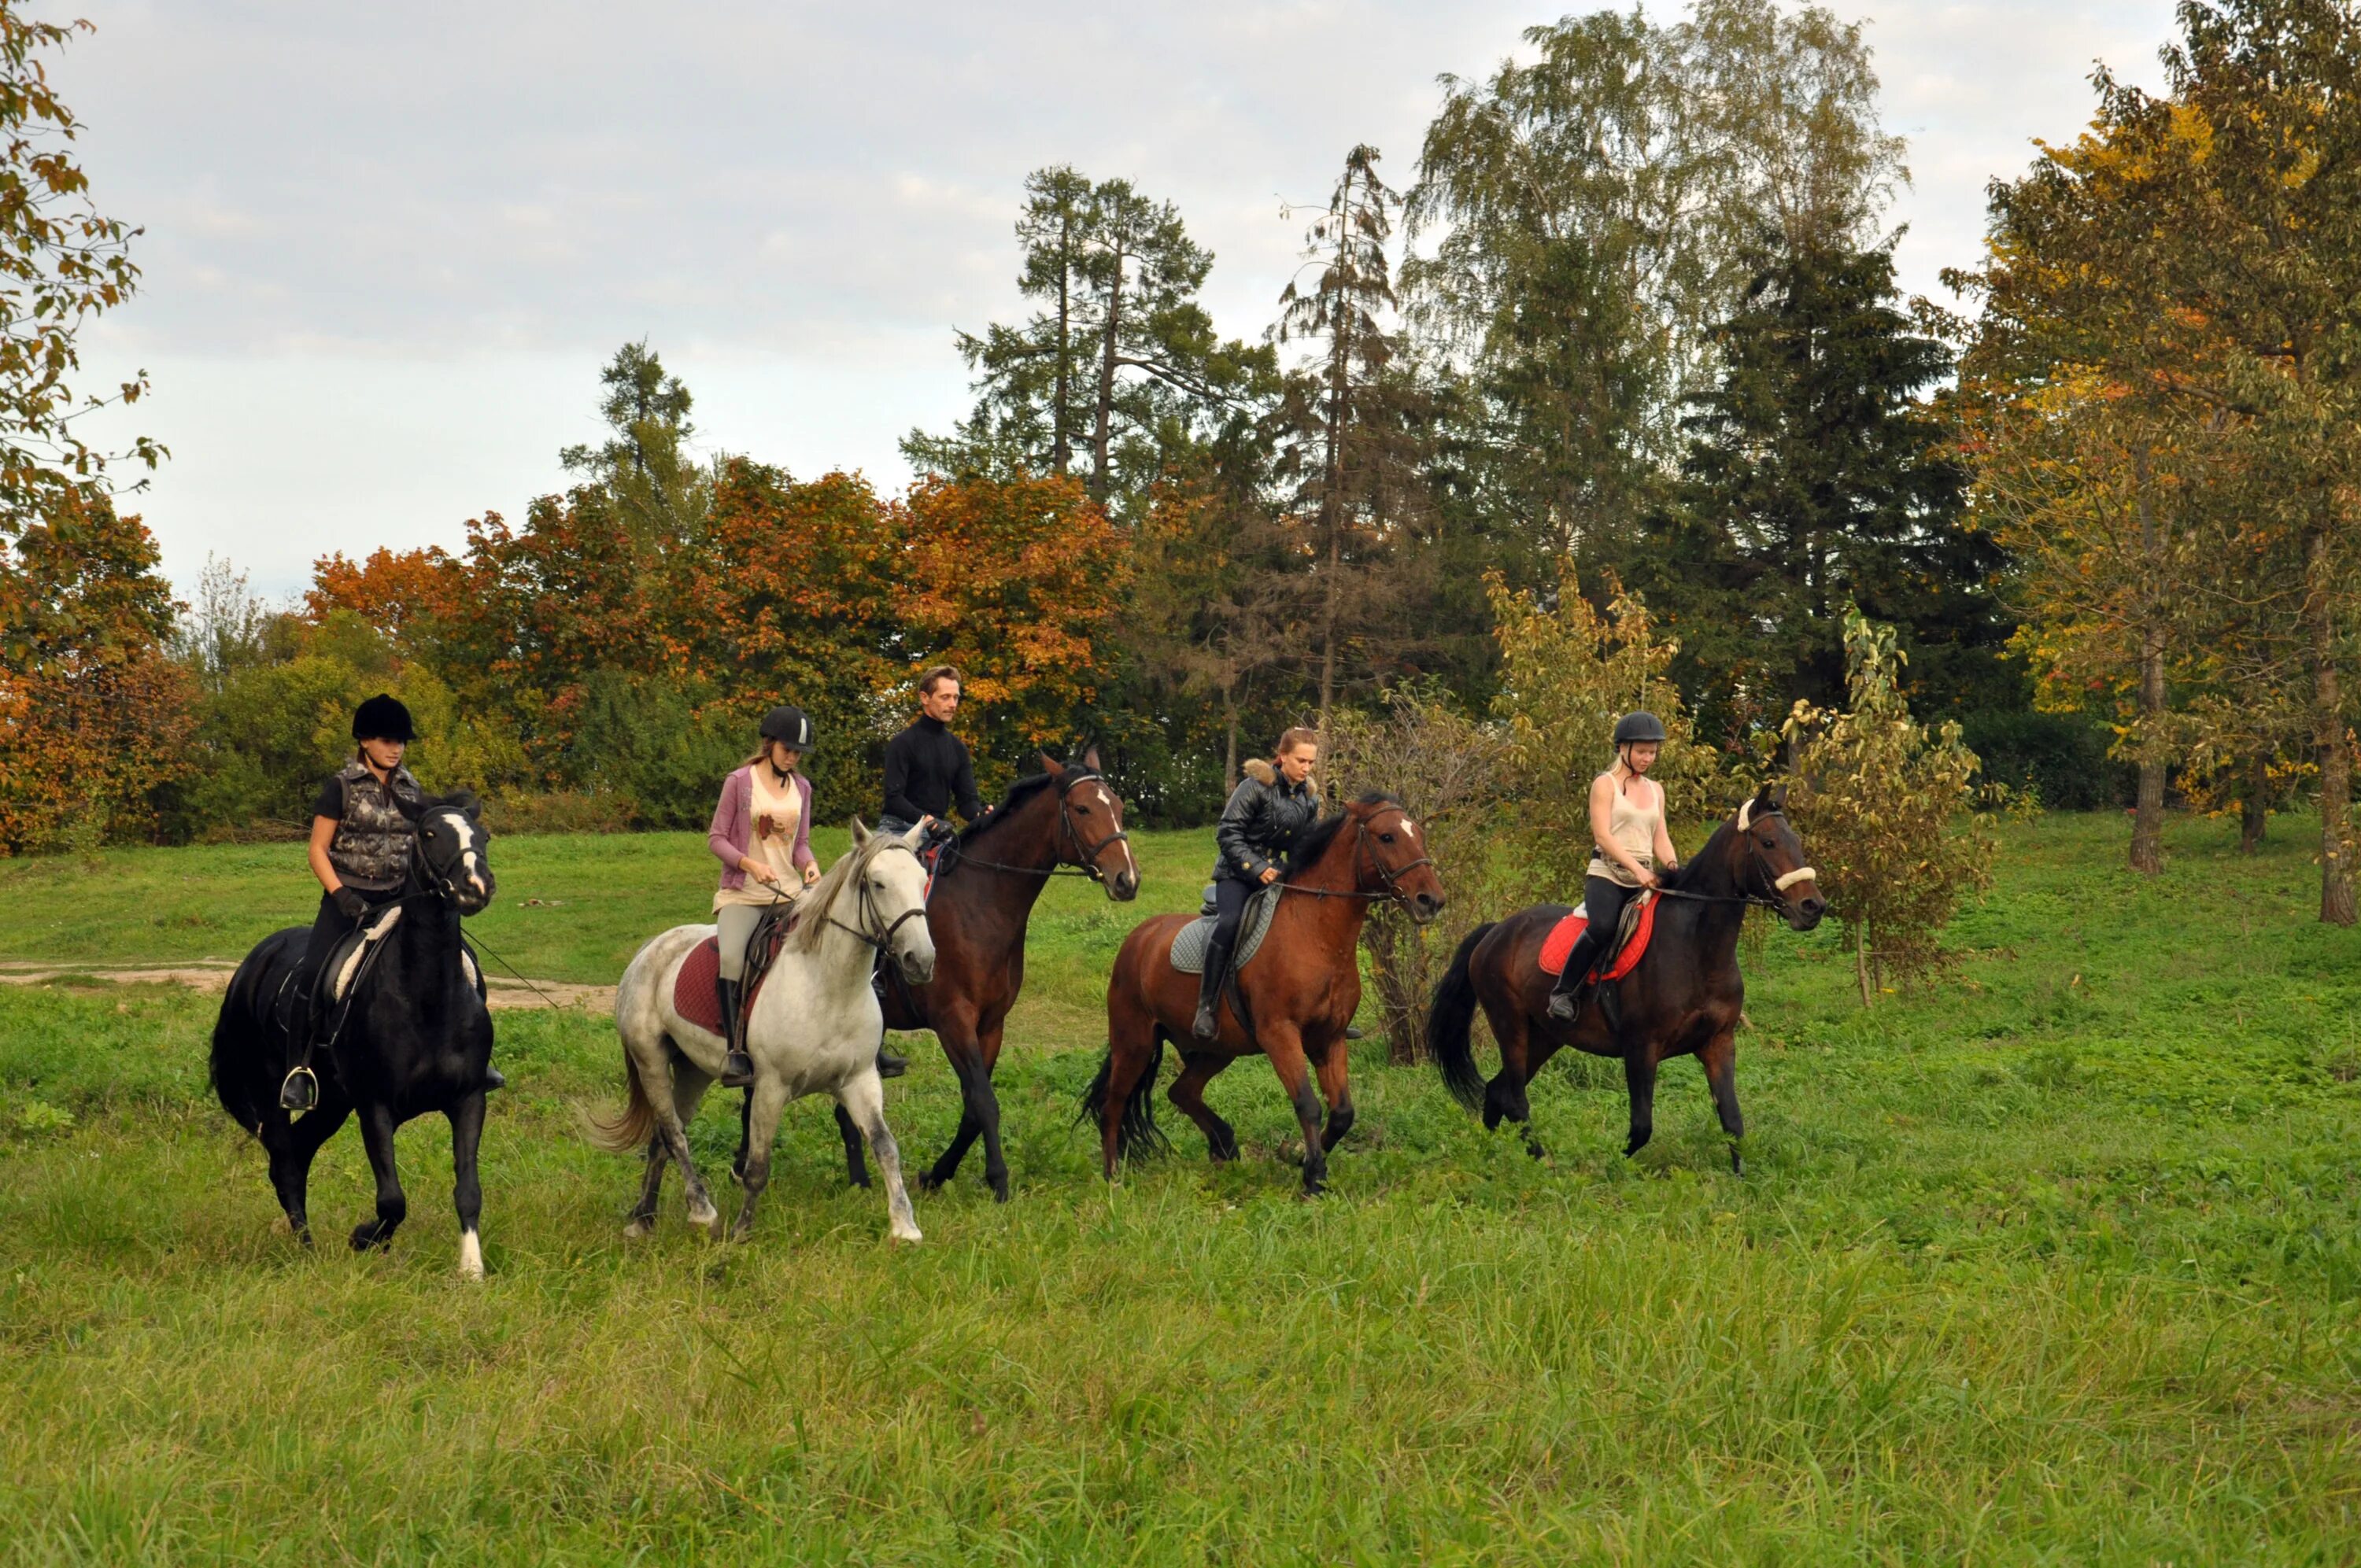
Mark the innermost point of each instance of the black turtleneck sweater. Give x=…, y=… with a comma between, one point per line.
x=927, y=770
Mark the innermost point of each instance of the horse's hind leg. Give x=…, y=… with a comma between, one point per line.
x=1719, y=1058
x=862, y=1098
x=769, y=1099
x=643, y=1212
x=1504, y=1097
x=377, y=1137
x=467, y=1120
x=1188, y=1092
x=856, y=1169
x=672, y=1113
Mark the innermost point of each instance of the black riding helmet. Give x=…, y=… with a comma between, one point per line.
x=789, y=727
x=1641, y=726
x=382, y=717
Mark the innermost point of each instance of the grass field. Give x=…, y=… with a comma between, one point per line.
x=2058, y=1264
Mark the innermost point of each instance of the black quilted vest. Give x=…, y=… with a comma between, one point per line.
x=372, y=849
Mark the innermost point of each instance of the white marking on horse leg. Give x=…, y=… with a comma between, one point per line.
x=864, y=1098
x=471, y=1256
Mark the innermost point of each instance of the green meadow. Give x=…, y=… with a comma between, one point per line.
x=2058, y=1262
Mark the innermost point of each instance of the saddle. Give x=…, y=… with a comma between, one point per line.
x=308, y=1001
x=693, y=994
x=1623, y=955
x=1188, y=942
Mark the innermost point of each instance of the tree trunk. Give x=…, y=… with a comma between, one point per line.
x=2255, y=804
x=1061, y=413
x=1102, y=432
x=2148, y=812
x=2336, y=900
x=1860, y=961
x=1230, y=753
x=1328, y=631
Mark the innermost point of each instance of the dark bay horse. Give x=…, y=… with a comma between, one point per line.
x=987, y=883
x=1684, y=999
x=415, y=1038
x=1300, y=992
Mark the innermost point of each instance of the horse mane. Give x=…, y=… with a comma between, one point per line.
x=1689, y=874
x=1023, y=790
x=1321, y=834
x=817, y=904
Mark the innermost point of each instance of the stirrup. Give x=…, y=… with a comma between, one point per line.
x=891, y=1066
x=301, y=1090
x=1572, y=998
x=737, y=1076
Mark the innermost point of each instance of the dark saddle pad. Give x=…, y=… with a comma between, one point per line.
x=1630, y=940
x=693, y=994
x=1189, y=944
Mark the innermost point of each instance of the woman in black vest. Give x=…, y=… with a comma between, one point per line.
x=361, y=844
x=1267, y=813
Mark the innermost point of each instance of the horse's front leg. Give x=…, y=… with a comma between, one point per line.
x=1337, y=1089
x=1640, y=1080
x=862, y=1098
x=995, y=1163
x=1720, y=1061
x=1279, y=1042
x=957, y=1033
x=856, y=1170
x=768, y=1100
x=377, y=1137
x=467, y=1120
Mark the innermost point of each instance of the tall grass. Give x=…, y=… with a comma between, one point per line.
x=2055, y=1265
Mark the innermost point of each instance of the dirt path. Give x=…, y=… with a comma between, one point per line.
x=203, y=974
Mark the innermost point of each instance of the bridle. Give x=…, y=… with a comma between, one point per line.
x=1085, y=858
x=1389, y=875
x=1747, y=817
x=870, y=918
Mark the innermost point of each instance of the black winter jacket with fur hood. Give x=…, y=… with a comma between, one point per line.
x=1264, y=817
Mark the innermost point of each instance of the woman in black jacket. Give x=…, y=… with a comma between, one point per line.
x=1267, y=813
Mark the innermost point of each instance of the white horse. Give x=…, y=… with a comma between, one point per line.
x=814, y=1028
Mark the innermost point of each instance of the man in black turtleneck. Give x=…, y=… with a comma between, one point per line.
x=928, y=770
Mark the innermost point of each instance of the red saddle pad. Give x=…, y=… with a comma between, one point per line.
x=1559, y=944
x=692, y=989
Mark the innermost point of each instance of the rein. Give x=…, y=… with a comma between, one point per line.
x=877, y=939
x=1085, y=860
x=1746, y=818
x=1391, y=877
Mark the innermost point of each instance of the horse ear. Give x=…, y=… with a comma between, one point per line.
x=1091, y=758
x=1778, y=793
x=859, y=833
x=470, y=805
x=1050, y=766
x=412, y=809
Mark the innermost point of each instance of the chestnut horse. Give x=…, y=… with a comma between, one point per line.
x=985, y=885
x=1291, y=1003
x=1684, y=998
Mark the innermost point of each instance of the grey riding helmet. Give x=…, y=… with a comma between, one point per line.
x=1636, y=728
x=789, y=727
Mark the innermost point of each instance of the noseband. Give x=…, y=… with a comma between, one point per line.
x=1780, y=884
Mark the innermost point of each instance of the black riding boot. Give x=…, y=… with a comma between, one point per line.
x=891, y=1066
x=301, y=1090
x=1573, y=987
x=1208, y=988
x=738, y=1070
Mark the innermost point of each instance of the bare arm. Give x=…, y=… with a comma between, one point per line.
x=1665, y=857
x=324, y=833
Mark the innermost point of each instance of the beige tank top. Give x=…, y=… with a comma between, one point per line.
x=1633, y=826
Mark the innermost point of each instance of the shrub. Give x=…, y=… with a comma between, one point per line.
x=2059, y=757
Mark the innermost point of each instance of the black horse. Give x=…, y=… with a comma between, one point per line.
x=1684, y=998
x=415, y=1037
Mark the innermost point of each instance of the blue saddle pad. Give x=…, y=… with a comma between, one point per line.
x=1189, y=947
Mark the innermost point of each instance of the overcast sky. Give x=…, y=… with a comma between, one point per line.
x=387, y=248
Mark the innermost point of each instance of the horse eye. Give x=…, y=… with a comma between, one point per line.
x=1386, y=838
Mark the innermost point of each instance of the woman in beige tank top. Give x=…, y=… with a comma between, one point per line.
x=1627, y=820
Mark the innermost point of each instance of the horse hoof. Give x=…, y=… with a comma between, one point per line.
x=709, y=1219
x=907, y=1234
x=471, y=1257
x=637, y=1229
x=929, y=1182
x=364, y=1237
x=1000, y=1190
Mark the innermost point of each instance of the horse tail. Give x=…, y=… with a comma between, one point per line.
x=1448, y=1019
x=243, y=1064
x=1137, y=1131
x=630, y=1132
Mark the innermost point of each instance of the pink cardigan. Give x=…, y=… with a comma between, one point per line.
x=733, y=826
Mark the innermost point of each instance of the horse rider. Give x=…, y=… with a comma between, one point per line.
x=1266, y=813
x=1631, y=847
x=928, y=769
x=762, y=836
x=360, y=850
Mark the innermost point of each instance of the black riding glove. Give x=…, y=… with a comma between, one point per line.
x=349, y=904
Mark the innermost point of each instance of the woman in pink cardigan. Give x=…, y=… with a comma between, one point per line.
x=762, y=836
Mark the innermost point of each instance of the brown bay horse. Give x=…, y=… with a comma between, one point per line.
x=1684, y=998
x=987, y=883
x=1299, y=992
